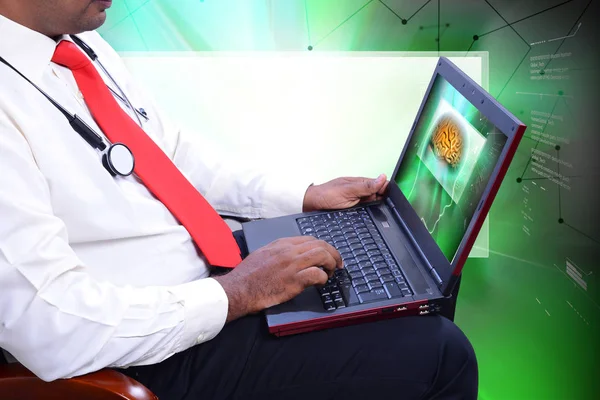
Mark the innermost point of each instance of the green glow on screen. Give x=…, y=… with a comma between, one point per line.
x=448, y=164
x=533, y=327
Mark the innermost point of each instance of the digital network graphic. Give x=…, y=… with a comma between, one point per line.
x=532, y=309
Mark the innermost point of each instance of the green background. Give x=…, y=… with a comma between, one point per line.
x=534, y=327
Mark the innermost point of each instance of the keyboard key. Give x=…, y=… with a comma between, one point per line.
x=392, y=290
x=355, y=246
x=399, y=279
x=376, y=294
x=379, y=266
x=406, y=292
x=356, y=275
x=365, y=264
x=403, y=285
x=326, y=297
x=323, y=290
x=384, y=271
x=352, y=267
x=359, y=252
x=359, y=281
x=374, y=285
x=362, y=258
x=329, y=305
x=371, y=246
x=349, y=295
x=361, y=288
x=372, y=277
x=393, y=267
x=374, y=232
x=368, y=270
x=339, y=303
x=376, y=259
x=374, y=253
x=386, y=278
x=364, y=235
x=354, y=240
x=343, y=249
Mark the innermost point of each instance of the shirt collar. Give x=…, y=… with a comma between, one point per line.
x=27, y=50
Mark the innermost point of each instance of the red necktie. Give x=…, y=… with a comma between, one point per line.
x=158, y=173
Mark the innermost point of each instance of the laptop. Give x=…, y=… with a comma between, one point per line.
x=403, y=254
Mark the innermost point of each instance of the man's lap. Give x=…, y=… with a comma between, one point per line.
x=411, y=357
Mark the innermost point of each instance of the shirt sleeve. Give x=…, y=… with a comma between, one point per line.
x=59, y=321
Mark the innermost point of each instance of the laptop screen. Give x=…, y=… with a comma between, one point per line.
x=448, y=164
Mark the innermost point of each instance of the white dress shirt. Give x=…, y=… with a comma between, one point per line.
x=94, y=270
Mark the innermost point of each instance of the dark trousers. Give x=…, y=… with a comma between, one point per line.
x=403, y=358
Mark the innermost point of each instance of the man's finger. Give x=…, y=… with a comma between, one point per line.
x=366, y=186
x=316, y=257
x=383, y=188
x=298, y=239
x=324, y=245
x=312, y=276
x=334, y=253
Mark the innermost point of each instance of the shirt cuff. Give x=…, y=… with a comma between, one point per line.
x=283, y=196
x=205, y=307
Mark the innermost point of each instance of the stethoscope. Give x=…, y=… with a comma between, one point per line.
x=117, y=158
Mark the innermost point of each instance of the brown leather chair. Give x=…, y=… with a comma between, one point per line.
x=17, y=383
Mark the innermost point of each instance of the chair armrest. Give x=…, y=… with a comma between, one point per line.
x=17, y=383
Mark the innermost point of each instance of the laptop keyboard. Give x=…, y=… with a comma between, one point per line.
x=370, y=272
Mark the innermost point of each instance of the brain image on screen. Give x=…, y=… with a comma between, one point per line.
x=450, y=149
x=447, y=140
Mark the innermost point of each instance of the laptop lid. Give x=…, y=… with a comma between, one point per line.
x=456, y=155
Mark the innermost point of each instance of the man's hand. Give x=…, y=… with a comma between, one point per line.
x=278, y=272
x=343, y=193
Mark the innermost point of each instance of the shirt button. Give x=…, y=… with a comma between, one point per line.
x=200, y=338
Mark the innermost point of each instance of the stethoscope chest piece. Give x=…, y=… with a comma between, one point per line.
x=118, y=160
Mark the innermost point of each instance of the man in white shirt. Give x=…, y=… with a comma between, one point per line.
x=96, y=272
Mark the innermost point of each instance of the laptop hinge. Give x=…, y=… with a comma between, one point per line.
x=432, y=272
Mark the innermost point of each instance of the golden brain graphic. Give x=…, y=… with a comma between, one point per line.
x=447, y=140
